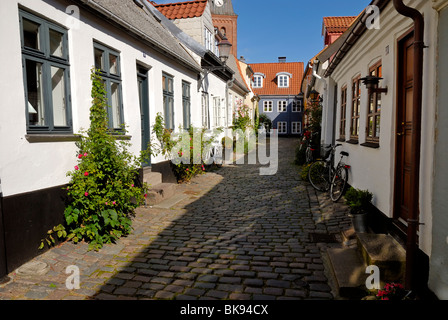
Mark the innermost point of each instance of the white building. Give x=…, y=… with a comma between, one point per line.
x=52, y=47
x=381, y=131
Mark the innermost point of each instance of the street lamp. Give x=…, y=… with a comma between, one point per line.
x=224, y=47
x=372, y=83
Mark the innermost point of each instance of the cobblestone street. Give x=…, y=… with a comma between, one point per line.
x=234, y=235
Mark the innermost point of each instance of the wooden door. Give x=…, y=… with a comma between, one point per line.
x=404, y=128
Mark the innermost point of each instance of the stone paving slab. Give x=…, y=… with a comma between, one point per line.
x=233, y=234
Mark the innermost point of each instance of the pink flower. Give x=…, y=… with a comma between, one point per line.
x=132, y=186
x=86, y=173
x=86, y=194
x=146, y=195
x=106, y=203
x=80, y=156
x=114, y=203
x=76, y=168
x=85, y=154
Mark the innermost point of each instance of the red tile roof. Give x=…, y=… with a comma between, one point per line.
x=182, y=10
x=337, y=24
x=270, y=70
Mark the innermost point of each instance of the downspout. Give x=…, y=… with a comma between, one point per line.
x=413, y=220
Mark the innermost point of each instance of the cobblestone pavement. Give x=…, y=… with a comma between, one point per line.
x=235, y=235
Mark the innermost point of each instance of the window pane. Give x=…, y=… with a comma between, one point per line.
x=170, y=85
x=34, y=82
x=56, y=43
x=99, y=61
x=115, y=105
x=31, y=34
x=58, y=94
x=378, y=121
x=113, y=64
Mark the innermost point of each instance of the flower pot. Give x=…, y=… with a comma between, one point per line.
x=359, y=222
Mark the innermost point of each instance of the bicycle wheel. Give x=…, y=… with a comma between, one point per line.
x=338, y=184
x=318, y=176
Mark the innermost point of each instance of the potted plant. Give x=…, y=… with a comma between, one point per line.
x=360, y=202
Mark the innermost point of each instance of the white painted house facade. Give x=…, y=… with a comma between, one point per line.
x=52, y=47
x=376, y=128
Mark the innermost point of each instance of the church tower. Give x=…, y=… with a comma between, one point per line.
x=225, y=20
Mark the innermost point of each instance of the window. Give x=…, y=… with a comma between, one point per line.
x=46, y=72
x=209, y=40
x=282, y=106
x=282, y=127
x=343, y=120
x=186, y=104
x=258, y=82
x=283, y=81
x=296, y=127
x=296, y=104
x=267, y=106
x=107, y=61
x=356, y=101
x=374, y=112
x=219, y=112
x=205, y=113
x=168, y=100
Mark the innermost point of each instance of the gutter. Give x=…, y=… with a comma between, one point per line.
x=413, y=220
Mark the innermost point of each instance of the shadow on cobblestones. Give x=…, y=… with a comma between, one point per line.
x=235, y=235
x=246, y=237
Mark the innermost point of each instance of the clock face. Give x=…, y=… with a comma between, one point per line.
x=219, y=3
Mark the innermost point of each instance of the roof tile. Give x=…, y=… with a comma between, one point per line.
x=182, y=10
x=270, y=70
x=337, y=24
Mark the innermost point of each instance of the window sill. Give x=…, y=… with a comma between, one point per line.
x=352, y=141
x=47, y=137
x=374, y=145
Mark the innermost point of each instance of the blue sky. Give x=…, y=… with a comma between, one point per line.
x=268, y=29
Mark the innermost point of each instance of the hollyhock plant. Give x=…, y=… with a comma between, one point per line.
x=106, y=169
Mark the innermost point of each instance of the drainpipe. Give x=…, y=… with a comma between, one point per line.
x=413, y=220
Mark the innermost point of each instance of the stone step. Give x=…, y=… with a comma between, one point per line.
x=386, y=253
x=152, y=178
x=160, y=192
x=349, y=270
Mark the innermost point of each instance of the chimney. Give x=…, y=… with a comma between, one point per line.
x=281, y=59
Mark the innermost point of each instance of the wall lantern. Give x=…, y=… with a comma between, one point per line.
x=314, y=95
x=372, y=83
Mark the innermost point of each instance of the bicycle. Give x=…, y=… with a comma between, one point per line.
x=310, y=147
x=323, y=176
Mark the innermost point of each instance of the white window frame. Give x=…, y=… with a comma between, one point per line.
x=296, y=127
x=258, y=82
x=270, y=106
x=282, y=127
x=209, y=40
x=282, y=106
x=283, y=81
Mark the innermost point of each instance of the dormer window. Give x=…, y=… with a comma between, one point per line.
x=258, y=80
x=283, y=79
